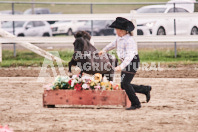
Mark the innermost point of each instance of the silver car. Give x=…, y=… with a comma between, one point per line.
x=28, y=28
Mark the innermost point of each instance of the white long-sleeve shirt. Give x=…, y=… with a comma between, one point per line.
x=126, y=49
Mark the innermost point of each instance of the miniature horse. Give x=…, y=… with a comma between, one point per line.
x=86, y=57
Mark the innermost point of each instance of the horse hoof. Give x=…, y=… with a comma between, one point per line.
x=70, y=74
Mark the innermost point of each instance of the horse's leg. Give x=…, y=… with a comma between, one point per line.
x=72, y=63
x=80, y=74
x=102, y=77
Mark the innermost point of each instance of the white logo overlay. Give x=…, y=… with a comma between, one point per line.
x=87, y=66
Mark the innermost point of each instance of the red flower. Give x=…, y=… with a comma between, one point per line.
x=78, y=86
x=69, y=82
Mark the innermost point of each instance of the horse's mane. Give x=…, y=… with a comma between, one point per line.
x=85, y=36
x=89, y=45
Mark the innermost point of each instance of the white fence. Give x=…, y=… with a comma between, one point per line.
x=99, y=39
x=131, y=16
x=134, y=15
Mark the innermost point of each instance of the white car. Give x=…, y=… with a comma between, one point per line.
x=100, y=28
x=184, y=26
x=28, y=28
x=66, y=27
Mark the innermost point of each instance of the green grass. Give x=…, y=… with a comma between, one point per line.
x=169, y=55
x=27, y=58
x=80, y=9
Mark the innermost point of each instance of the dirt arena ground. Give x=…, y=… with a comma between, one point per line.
x=173, y=105
x=161, y=71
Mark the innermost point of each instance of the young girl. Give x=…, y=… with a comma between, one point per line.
x=128, y=54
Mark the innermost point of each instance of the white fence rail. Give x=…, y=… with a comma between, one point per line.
x=131, y=16
x=29, y=46
x=99, y=39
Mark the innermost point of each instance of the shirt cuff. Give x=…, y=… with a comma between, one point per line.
x=122, y=66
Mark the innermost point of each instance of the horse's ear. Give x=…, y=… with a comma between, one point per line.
x=86, y=35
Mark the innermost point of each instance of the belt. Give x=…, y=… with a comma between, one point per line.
x=122, y=59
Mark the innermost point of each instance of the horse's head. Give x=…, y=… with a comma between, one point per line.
x=80, y=45
x=83, y=34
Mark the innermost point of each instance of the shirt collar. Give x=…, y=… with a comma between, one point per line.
x=123, y=37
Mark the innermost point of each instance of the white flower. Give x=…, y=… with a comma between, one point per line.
x=58, y=79
x=111, y=82
x=74, y=76
x=73, y=82
x=85, y=77
x=92, y=78
x=65, y=79
x=103, y=88
x=85, y=86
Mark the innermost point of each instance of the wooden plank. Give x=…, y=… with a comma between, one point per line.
x=84, y=97
x=31, y=47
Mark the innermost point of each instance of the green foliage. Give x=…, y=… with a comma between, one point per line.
x=28, y=58
x=168, y=55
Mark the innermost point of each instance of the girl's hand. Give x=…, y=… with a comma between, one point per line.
x=118, y=68
x=101, y=52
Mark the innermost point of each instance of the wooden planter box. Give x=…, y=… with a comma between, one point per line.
x=85, y=97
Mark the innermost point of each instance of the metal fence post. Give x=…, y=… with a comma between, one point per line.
x=134, y=32
x=175, y=44
x=13, y=26
x=33, y=6
x=91, y=11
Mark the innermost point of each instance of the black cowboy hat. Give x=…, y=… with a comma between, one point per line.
x=122, y=23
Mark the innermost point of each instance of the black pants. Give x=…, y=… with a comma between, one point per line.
x=127, y=76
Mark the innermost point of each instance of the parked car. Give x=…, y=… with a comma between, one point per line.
x=66, y=27
x=40, y=11
x=100, y=27
x=184, y=26
x=9, y=12
x=28, y=28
